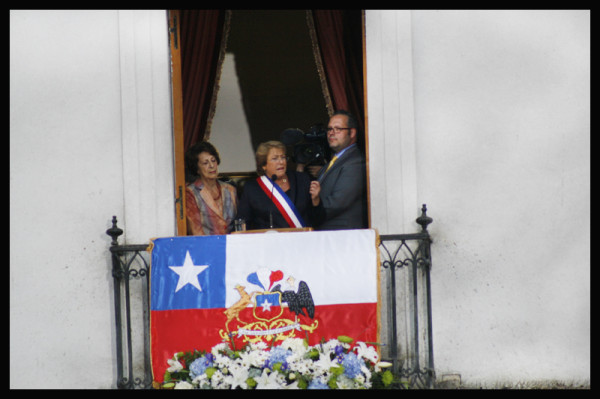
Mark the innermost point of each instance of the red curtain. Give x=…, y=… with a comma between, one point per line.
x=202, y=33
x=339, y=35
x=203, y=36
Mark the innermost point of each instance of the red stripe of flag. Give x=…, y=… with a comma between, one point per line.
x=185, y=330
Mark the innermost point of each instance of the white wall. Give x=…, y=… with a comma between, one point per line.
x=501, y=136
x=90, y=137
x=483, y=115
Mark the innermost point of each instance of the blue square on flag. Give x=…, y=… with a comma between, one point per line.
x=188, y=273
x=268, y=306
x=266, y=300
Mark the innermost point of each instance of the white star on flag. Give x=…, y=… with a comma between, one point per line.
x=188, y=273
x=266, y=305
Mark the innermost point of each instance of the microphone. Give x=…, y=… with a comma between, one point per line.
x=273, y=178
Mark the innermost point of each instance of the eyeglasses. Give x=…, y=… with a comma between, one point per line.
x=337, y=129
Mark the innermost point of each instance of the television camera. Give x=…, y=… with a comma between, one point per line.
x=309, y=148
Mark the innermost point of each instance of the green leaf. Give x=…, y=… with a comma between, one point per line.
x=210, y=371
x=332, y=383
x=251, y=383
x=345, y=339
x=302, y=384
x=387, y=378
x=313, y=354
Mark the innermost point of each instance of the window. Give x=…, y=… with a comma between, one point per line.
x=263, y=78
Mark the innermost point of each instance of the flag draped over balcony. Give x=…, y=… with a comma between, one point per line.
x=244, y=288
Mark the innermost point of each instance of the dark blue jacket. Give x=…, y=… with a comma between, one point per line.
x=255, y=205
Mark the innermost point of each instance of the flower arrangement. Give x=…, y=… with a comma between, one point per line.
x=335, y=364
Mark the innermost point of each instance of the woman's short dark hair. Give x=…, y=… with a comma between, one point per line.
x=191, y=158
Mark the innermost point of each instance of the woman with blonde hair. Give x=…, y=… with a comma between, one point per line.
x=278, y=198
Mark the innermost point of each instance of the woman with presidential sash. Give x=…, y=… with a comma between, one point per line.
x=278, y=198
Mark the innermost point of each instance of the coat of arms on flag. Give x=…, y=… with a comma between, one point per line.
x=277, y=312
x=243, y=288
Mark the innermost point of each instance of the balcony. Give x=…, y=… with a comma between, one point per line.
x=405, y=311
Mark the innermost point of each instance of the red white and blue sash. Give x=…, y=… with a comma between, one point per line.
x=282, y=202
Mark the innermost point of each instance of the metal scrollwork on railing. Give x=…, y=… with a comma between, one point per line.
x=406, y=259
x=129, y=264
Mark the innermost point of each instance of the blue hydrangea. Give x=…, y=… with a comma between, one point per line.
x=352, y=365
x=199, y=366
x=317, y=383
x=278, y=355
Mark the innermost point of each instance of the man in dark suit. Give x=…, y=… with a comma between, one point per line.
x=342, y=183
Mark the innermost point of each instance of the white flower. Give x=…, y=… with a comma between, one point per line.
x=268, y=380
x=297, y=345
x=344, y=382
x=201, y=381
x=253, y=358
x=299, y=365
x=293, y=385
x=260, y=346
x=175, y=365
x=220, y=381
x=329, y=346
x=367, y=373
x=366, y=352
x=223, y=346
x=382, y=365
x=233, y=371
x=323, y=365
x=183, y=385
x=360, y=379
x=239, y=375
x=217, y=377
x=222, y=362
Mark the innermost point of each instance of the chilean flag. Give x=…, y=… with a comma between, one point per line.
x=240, y=288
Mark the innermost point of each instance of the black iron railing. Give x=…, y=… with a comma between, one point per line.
x=130, y=265
x=405, y=312
x=406, y=300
